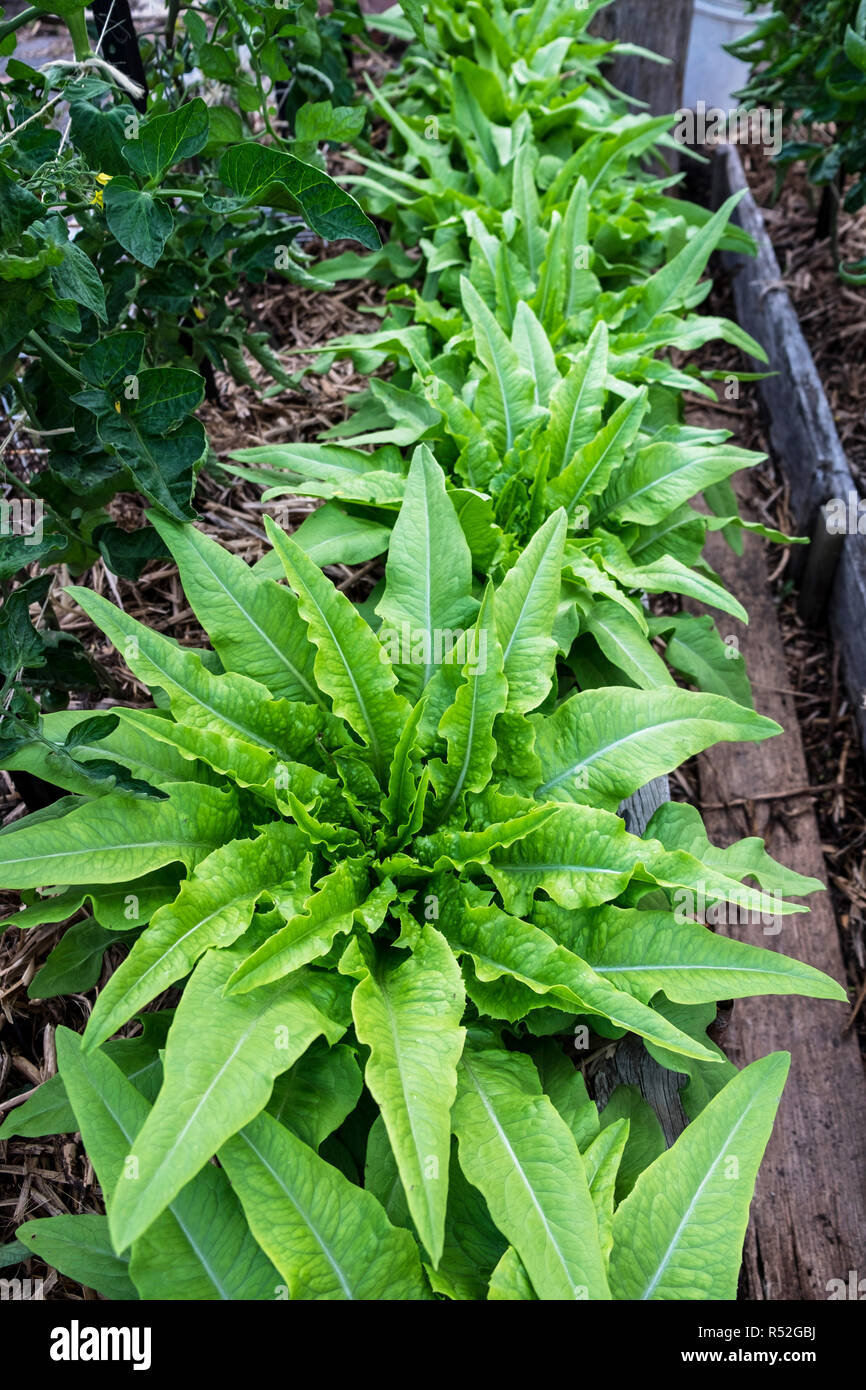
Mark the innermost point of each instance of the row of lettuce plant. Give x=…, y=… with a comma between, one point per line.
x=391, y=877
x=125, y=236
x=535, y=357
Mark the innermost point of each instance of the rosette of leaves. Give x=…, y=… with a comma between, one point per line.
x=525, y=431
x=534, y=359
x=545, y=258
x=392, y=879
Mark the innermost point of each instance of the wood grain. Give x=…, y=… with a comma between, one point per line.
x=664, y=27
x=637, y=810
x=631, y=1065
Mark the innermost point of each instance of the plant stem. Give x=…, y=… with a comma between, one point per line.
x=10, y=25
x=55, y=357
x=176, y=193
x=171, y=23
x=257, y=72
x=36, y=116
x=77, y=26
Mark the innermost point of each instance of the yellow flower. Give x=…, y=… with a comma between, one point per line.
x=102, y=180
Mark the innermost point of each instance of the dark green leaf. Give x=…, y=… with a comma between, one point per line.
x=139, y=221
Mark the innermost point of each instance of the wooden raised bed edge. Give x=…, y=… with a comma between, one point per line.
x=803, y=438
x=630, y=1064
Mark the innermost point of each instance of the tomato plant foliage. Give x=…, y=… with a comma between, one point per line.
x=127, y=233
x=808, y=61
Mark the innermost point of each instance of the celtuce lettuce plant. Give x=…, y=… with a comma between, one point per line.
x=625, y=490
x=393, y=881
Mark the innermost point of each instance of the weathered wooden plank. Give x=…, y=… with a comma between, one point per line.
x=638, y=809
x=631, y=1065
x=847, y=617
x=808, y=1221
x=662, y=26
x=819, y=572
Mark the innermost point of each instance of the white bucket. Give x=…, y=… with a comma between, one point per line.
x=711, y=74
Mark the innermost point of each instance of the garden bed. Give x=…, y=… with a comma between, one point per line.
x=408, y=984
